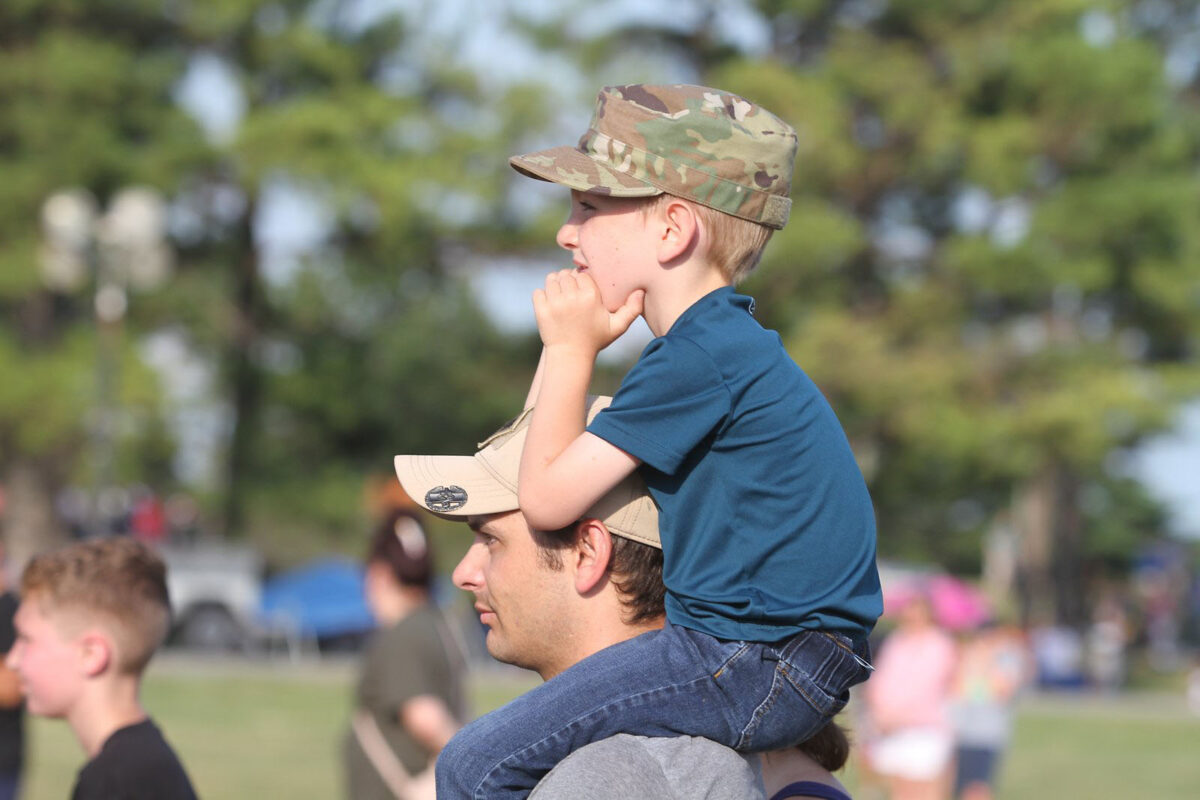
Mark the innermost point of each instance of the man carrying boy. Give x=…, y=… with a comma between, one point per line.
x=90, y=618
x=553, y=600
x=767, y=529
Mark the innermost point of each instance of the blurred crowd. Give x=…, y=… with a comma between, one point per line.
x=136, y=510
x=937, y=715
x=936, y=718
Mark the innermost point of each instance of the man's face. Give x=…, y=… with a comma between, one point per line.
x=523, y=602
x=47, y=659
x=610, y=239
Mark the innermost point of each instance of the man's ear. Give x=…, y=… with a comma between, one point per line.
x=593, y=550
x=680, y=230
x=96, y=653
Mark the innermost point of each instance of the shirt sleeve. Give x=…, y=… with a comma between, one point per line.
x=8, y=632
x=670, y=402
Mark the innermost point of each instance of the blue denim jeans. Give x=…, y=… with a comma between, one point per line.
x=672, y=682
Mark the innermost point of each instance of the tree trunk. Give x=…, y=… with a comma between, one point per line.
x=1033, y=518
x=1049, y=533
x=30, y=524
x=245, y=377
x=1067, y=565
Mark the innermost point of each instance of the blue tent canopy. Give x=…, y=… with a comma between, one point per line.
x=323, y=599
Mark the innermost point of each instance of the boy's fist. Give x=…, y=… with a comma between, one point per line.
x=570, y=312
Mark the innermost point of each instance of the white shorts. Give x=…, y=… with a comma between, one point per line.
x=918, y=754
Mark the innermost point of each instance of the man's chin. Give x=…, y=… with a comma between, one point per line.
x=498, y=649
x=495, y=647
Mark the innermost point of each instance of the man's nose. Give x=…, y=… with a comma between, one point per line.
x=466, y=574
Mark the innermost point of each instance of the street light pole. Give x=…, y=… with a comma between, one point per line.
x=123, y=248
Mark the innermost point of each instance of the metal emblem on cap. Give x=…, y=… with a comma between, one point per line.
x=446, y=498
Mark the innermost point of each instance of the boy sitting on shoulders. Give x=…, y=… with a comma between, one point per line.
x=767, y=528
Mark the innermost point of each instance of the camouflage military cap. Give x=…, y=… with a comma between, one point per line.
x=705, y=145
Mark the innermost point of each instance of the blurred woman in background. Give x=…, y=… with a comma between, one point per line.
x=409, y=700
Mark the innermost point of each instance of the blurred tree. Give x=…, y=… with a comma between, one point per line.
x=1017, y=302
x=84, y=102
x=343, y=127
x=363, y=344
x=992, y=267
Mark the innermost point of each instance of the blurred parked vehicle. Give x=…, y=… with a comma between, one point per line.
x=222, y=602
x=322, y=602
x=216, y=591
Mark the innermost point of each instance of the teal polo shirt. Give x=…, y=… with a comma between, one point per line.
x=766, y=524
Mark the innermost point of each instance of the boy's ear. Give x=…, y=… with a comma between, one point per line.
x=96, y=652
x=593, y=550
x=680, y=230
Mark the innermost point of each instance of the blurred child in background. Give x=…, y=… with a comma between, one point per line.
x=12, y=704
x=90, y=618
x=993, y=665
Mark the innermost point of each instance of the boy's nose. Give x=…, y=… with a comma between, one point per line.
x=568, y=236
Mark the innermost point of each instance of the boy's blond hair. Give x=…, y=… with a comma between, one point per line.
x=118, y=583
x=735, y=245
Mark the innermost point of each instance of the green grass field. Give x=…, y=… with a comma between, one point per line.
x=256, y=731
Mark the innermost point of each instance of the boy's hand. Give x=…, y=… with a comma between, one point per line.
x=570, y=313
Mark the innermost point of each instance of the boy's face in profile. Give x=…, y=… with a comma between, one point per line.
x=48, y=660
x=610, y=238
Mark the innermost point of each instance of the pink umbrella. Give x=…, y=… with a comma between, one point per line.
x=956, y=604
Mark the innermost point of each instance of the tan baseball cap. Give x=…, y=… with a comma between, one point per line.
x=456, y=487
x=707, y=145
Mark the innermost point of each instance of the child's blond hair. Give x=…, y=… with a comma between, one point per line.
x=735, y=245
x=118, y=583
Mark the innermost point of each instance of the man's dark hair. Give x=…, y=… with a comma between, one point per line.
x=636, y=569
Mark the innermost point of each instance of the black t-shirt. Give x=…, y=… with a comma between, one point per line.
x=135, y=763
x=12, y=720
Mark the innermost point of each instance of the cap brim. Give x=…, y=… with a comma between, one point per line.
x=453, y=486
x=572, y=168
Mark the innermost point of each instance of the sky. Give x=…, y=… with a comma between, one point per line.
x=290, y=222
x=1169, y=465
